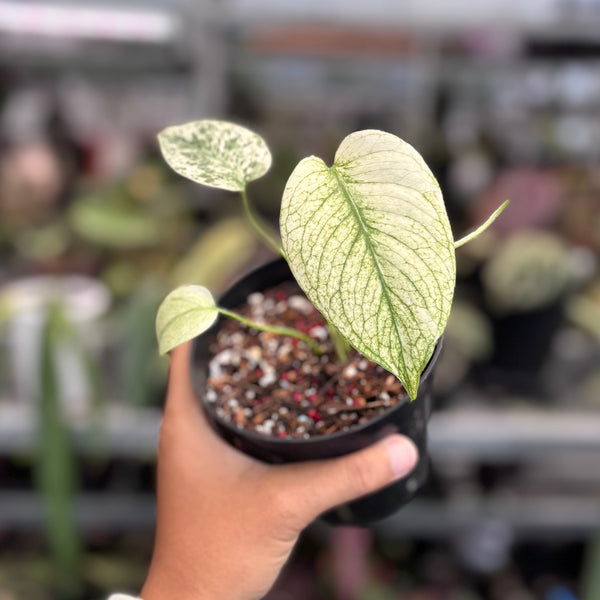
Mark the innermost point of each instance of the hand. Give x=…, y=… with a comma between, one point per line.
x=226, y=522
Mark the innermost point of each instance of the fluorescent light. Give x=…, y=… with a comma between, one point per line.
x=88, y=22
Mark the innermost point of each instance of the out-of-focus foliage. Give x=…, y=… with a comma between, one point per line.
x=56, y=469
x=530, y=270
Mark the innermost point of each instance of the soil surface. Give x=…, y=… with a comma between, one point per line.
x=276, y=386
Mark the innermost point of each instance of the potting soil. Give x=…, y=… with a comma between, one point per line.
x=275, y=385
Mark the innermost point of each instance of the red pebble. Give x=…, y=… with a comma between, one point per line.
x=259, y=372
x=284, y=377
x=281, y=434
x=280, y=296
x=330, y=392
x=313, y=397
x=300, y=325
x=297, y=397
x=314, y=414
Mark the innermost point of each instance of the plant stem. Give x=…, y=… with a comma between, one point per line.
x=288, y=331
x=483, y=227
x=340, y=345
x=267, y=237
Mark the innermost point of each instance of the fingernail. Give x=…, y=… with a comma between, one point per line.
x=403, y=455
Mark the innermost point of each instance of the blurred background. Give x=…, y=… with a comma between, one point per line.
x=503, y=101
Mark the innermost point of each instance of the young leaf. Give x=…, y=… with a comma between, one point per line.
x=184, y=314
x=369, y=241
x=215, y=153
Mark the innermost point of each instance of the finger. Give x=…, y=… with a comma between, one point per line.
x=180, y=393
x=184, y=422
x=313, y=487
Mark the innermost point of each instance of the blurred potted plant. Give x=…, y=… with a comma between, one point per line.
x=525, y=283
x=27, y=302
x=367, y=275
x=55, y=370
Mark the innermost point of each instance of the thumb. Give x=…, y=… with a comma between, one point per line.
x=317, y=486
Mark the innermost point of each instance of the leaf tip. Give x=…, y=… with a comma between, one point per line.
x=412, y=389
x=164, y=348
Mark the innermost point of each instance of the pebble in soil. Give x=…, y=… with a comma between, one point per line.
x=276, y=386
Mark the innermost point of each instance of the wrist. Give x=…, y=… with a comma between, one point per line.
x=165, y=582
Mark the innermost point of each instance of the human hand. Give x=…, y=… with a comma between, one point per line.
x=227, y=523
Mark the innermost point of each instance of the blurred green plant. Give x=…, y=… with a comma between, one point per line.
x=114, y=226
x=584, y=310
x=141, y=373
x=470, y=331
x=30, y=577
x=44, y=242
x=56, y=474
x=532, y=269
x=590, y=584
x=235, y=241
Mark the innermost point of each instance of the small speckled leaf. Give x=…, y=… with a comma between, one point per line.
x=183, y=315
x=215, y=153
x=369, y=241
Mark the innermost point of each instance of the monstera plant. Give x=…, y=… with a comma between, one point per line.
x=367, y=239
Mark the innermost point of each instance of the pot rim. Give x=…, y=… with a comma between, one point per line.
x=275, y=441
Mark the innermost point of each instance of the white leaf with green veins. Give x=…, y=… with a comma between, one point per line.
x=184, y=314
x=215, y=153
x=369, y=241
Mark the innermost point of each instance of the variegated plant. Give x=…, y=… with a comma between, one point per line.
x=367, y=239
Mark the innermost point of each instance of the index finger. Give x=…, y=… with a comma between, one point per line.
x=180, y=393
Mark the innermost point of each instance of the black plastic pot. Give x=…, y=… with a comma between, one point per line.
x=522, y=341
x=408, y=418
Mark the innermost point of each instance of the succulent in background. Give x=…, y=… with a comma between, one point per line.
x=530, y=271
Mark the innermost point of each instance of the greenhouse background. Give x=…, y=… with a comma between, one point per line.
x=503, y=102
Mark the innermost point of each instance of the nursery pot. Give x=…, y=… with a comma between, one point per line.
x=405, y=417
x=522, y=340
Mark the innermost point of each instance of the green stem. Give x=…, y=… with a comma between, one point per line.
x=289, y=331
x=267, y=237
x=483, y=227
x=340, y=344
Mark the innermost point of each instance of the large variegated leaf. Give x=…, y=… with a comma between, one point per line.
x=369, y=241
x=215, y=153
x=184, y=314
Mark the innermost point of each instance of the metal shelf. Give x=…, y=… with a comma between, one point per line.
x=117, y=512
x=512, y=433
x=501, y=434
x=531, y=436
x=491, y=434
x=534, y=517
